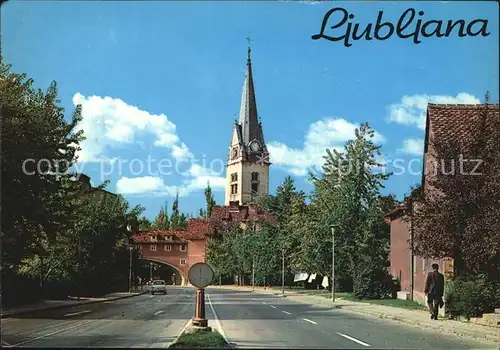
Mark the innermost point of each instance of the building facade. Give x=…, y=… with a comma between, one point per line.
x=452, y=123
x=247, y=169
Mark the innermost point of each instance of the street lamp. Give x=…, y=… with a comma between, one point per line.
x=333, y=262
x=253, y=274
x=283, y=271
x=130, y=248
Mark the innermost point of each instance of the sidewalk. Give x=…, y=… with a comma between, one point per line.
x=59, y=304
x=407, y=316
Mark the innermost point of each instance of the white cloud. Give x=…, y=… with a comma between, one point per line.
x=329, y=133
x=412, y=109
x=108, y=122
x=413, y=147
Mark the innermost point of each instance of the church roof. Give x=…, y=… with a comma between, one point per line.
x=249, y=122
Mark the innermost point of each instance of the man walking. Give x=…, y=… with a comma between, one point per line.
x=434, y=290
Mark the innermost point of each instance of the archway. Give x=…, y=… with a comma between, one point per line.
x=175, y=268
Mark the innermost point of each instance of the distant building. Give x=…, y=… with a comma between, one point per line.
x=443, y=122
x=247, y=179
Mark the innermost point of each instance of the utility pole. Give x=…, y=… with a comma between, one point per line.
x=333, y=264
x=253, y=274
x=130, y=269
x=283, y=271
x=150, y=271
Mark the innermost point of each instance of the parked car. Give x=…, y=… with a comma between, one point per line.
x=159, y=286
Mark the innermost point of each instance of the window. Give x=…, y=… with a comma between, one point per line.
x=234, y=189
x=183, y=248
x=234, y=177
x=255, y=188
x=153, y=239
x=168, y=238
x=255, y=176
x=183, y=262
x=168, y=247
x=153, y=247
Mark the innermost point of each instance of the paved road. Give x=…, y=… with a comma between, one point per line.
x=248, y=320
x=141, y=321
x=252, y=320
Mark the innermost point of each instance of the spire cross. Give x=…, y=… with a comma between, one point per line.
x=249, y=49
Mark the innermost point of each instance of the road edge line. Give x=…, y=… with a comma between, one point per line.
x=217, y=322
x=56, y=307
x=176, y=339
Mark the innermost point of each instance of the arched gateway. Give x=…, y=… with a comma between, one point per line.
x=177, y=249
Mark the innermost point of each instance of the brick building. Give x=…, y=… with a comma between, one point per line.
x=451, y=122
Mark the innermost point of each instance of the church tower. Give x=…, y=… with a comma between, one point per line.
x=247, y=170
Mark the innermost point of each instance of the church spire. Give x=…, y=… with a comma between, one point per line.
x=250, y=128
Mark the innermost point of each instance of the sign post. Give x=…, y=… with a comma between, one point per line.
x=200, y=275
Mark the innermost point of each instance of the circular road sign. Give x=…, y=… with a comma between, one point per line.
x=200, y=275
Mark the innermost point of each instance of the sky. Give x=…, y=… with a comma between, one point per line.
x=160, y=84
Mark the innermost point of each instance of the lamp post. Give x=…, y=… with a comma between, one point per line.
x=333, y=262
x=283, y=271
x=130, y=248
x=253, y=274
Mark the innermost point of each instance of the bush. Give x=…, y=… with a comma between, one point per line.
x=372, y=284
x=471, y=297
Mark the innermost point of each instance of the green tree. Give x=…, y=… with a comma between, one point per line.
x=209, y=198
x=34, y=132
x=162, y=220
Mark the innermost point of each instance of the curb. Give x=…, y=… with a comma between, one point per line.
x=176, y=339
x=56, y=307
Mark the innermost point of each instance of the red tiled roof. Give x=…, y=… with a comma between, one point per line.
x=145, y=236
x=457, y=122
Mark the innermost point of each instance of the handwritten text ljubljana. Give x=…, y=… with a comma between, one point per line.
x=403, y=29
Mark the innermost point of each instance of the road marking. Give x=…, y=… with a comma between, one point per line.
x=158, y=312
x=274, y=307
x=308, y=320
x=53, y=333
x=286, y=312
x=78, y=313
x=217, y=322
x=151, y=296
x=4, y=343
x=353, y=339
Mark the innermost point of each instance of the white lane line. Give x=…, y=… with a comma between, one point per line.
x=286, y=312
x=78, y=313
x=308, y=320
x=151, y=296
x=158, y=312
x=180, y=333
x=353, y=339
x=216, y=319
x=53, y=333
x=274, y=307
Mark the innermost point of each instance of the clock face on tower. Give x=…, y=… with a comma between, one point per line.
x=255, y=146
x=235, y=153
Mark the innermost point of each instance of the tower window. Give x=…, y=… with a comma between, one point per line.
x=255, y=176
x=234, y=189
x=234, y=177
x=255, y=188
